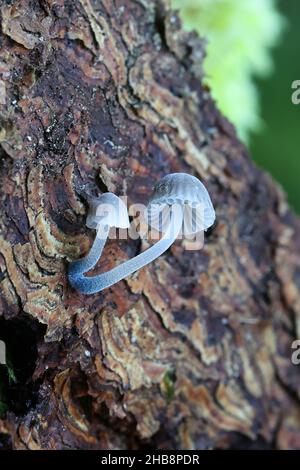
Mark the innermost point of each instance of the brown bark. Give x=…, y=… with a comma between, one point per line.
x=193, y=351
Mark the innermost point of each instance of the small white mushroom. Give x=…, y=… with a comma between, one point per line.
x=178, y=193
x=105, y=211
x=187, y=192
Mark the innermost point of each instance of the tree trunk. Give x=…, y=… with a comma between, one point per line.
x=191, y=352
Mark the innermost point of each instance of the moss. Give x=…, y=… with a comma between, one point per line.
x=6, y=373
x=2, y=397
x=168, y=385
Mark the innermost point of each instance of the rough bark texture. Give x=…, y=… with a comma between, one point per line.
x=192, y=351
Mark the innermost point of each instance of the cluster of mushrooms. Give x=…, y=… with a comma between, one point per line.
x=173, y=209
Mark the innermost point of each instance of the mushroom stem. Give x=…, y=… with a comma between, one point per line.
x=79, y=267
x=90, y=285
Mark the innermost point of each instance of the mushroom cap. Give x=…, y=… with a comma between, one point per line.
x=107, y=209
x=190, y=194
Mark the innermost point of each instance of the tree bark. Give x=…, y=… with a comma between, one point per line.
x=191, y=352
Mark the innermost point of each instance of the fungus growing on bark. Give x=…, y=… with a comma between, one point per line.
x=105, y=211
x=179, y=202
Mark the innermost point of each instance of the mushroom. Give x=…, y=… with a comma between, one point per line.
x=105, y=211
x=175, y=201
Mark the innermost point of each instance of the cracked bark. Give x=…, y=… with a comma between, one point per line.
x=192, y=351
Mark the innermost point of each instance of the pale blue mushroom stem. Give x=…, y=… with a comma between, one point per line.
x=79, y=267
x=93, y=284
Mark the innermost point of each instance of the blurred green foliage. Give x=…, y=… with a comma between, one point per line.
x=240, y=34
